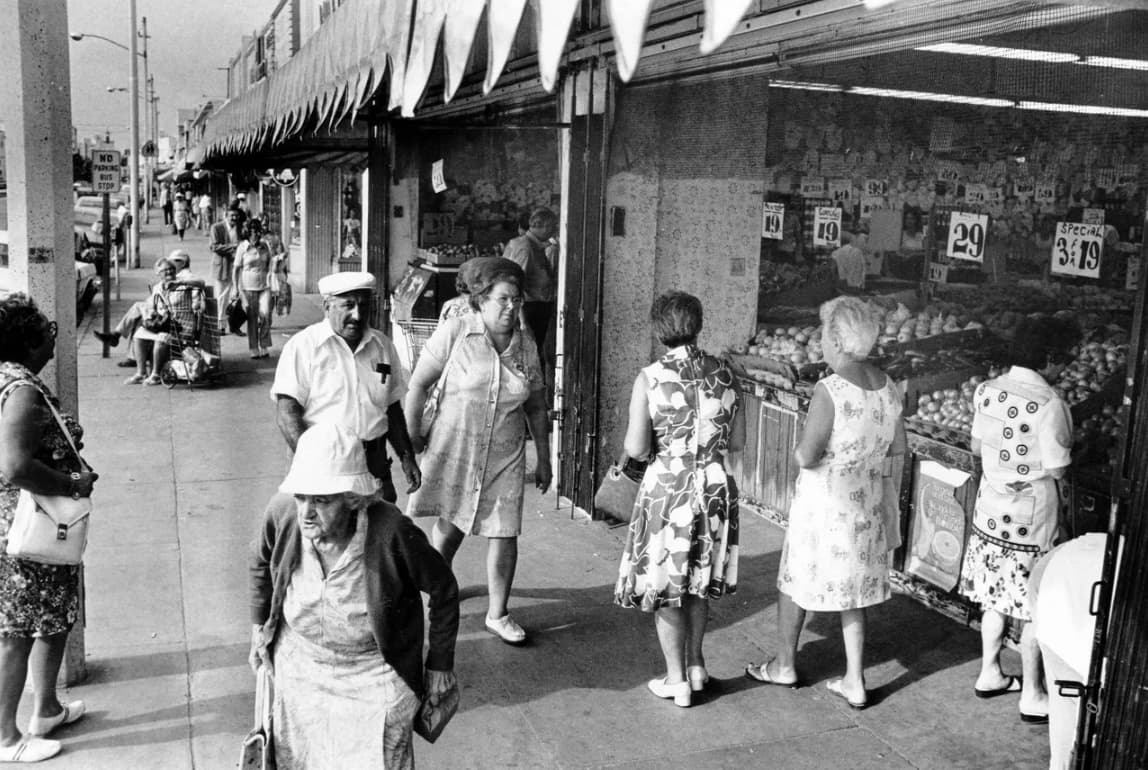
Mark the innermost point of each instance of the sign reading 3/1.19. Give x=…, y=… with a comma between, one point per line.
x=106, y=171
x=1076, y=249
x=967, y=233
x=827, y=226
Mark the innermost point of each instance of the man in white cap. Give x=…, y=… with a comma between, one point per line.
x=341, y=370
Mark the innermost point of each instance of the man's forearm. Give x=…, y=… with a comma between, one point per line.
x=289, y=416
x=397, y=434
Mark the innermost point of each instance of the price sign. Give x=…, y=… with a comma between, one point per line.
x=994, y=195
x=976, y=194
x=812, y=186
x=967, y=233
x=1093, y=216
x=106, y=171
x=869, y=204
x=1044, y=193
x=938, y=273
x=841, y=191
x=1023, y=188
x=438, y=178
x=827, y=226
x=876, y=187
x=772, y=216
x=1076, y=249
x=1132, y=277
x=949, y=172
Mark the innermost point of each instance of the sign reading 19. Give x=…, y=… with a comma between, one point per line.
x=1076, y=249
x=827, y=226
x=967, y=233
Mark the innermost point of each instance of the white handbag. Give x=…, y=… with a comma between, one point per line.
x=258, y=752
x=51, y=529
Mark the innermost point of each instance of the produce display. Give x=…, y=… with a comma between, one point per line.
x=1093, y=365
x=776, y=277
x=794, y=344
x=951, y=407
x=456, y=254
x=903, y=325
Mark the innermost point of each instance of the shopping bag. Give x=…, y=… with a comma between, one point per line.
x=619, y=489
x=431, y=720
x=257, y=752
x=236, y=315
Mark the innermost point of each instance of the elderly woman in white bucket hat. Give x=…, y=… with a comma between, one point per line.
x=336, y=576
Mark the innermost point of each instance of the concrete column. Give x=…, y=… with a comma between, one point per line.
x=36, y=102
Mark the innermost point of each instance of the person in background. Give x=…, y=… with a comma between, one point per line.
x=204, y=206
x=342, y=370
x=225, y=237
x=165, y=203
x=836, y=552
x=39, y=603
x=1022, y=431
x=151, y=346
x=529, y=251
x=242, y=205
x=252, y=279
x=490, y=389
x=337, y=577
x=681, y=547
x=181, y=215
x=851, y=263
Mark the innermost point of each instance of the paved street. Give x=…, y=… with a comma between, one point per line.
x=184, y=476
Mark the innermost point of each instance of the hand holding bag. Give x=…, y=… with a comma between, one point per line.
x=619, y=489
x=236, y=315
x=51, y=529
x=257, y=752
x=430, y=720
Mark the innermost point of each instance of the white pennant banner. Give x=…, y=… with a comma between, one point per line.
x=502, y=18
x=396, y=23
x=628, y=21
x=552, y=20
x=462, y=17
x=429, y=18
x=722, y=17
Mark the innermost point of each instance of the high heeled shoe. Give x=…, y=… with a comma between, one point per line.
x=679, y=691
x=698, y=677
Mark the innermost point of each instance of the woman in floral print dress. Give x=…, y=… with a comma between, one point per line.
x=681, y=549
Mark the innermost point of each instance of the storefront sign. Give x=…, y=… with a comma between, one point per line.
x=967, y=233
x=1093, y=216
x=438, y=179
x=841, y=191
x=876, y=187
x=938, y=273
x=772, y=217
x=1044, y=193
x=827, y=226
x=812, y=186
x=1132, y=277
x=1076, y=249
x=976, y=194
x=106, y=171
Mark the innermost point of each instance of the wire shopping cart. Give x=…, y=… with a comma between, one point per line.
x=409, y=338
x=195, y=357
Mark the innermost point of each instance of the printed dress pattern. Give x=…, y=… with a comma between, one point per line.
x=684, y=532
x=834, y=556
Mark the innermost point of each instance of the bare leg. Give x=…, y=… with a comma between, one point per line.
x=853, y=632
x=47, y=654
x=13, y=673
x=142, y=350
x=790, y=620
x=697, y=616
x=446, y=538
x=671, y=623
x=1034, y=695
x=992, y=637
x=501, y=561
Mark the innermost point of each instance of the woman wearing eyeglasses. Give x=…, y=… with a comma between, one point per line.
x=491, y=386
x=38, y=602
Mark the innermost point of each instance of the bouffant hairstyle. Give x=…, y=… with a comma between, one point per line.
x=543, y=217
x=486, y=275
x=850, y=322
x=23, y=328
x=1040, y=340
x=677, y=318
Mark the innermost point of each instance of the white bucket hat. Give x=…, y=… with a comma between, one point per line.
x=329, y=460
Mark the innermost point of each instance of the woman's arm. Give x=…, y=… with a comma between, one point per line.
x=539, y=423
x=426, y=374
x=639, y=428
x=25, y=420
x=737, y=429
x=816, y=430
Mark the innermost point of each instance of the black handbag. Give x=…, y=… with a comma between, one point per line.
x=236, y=315
x=158, y=317
x=619, y=489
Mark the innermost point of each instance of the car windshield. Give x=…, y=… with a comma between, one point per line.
x=97, y=201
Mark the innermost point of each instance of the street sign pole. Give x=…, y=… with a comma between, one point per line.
x=104, y=272
x=106, y=179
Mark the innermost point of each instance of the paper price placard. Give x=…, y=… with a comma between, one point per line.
x=1044, y=193
x=841, y=191
x=772, y=217
x=1132, y=277
x=1076, y=249
x=812, y=186
x=976, y=194
x=876, y=187
x=967, y=233
x=1023, y=188
x=438, y=178
x=1092, y=216
x=827, y=226
x=938, y=273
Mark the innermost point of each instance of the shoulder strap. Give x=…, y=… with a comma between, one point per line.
x=59, y=420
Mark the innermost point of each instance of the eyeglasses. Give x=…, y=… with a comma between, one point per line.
x=505, y=302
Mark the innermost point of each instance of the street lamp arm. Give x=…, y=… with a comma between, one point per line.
x=81, y=35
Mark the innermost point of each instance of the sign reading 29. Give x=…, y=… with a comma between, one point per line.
x=967, y=233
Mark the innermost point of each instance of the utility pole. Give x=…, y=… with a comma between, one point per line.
x=147, y=125
x=133, y=258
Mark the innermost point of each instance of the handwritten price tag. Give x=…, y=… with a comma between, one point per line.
x=1132, y=277
x=438, y=178
x=949, y=172
x=1093, y=216
x=772, y=216
x=976, y=194
x=841, y=190
x=827, y=226
x=938, y=273
x=967, y=233
x=1076, y=249
x=1023, y=188
x=812, y=186
x=1044, y=193
x=876, y=187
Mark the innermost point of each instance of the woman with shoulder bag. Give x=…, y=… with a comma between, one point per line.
x=151, y=343
x=39, y=603
x=681, y=548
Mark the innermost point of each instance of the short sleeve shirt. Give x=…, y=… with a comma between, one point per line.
x=1024, y=427
x=332, y=384
x=530, y=254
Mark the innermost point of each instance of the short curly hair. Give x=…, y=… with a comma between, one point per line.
x=495, y=271
x=852, y=323
x=677, y=318
x=23, y=328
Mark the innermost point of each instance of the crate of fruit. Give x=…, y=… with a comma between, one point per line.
x=946, y=435
x=445, y=255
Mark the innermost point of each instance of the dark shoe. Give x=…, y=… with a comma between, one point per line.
x=1034, y=719
x=127, y=363
x=111, y=339
x=1013, y=685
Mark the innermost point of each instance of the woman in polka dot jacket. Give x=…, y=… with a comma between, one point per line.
x=1022, y=431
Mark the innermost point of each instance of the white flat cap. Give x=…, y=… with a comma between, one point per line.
x=344, y=283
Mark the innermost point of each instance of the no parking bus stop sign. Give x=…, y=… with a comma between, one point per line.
x=106, y=171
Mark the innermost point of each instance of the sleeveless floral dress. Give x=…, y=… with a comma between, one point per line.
x=36, y=600
x=684, y=533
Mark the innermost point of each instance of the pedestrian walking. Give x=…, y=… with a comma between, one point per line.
x=681, y=547
x=836, y=552
x=204, y=204
x=165, y=203
x=341, y=370
x=251, y=277
x=181, y=216
x=490, y=387
x=225, y=237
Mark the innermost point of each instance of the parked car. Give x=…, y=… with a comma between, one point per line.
x=87, y=279
x=88, y=226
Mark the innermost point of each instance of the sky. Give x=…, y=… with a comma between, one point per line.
x=187, y=41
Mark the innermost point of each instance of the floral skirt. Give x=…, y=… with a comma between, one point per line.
x=996, y=577
x=37, y=600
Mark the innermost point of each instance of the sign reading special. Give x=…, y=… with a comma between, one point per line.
x=1076, y=249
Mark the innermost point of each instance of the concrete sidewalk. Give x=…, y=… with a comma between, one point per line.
x=184, y=476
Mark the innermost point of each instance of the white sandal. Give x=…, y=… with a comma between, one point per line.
x=30, y=749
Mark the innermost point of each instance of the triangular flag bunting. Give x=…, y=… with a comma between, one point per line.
x=628, y=21
x=462, y=17
x=502, y=17
x=552, y=23
x=429, y=18
x=397, y=32
x=722, y=17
